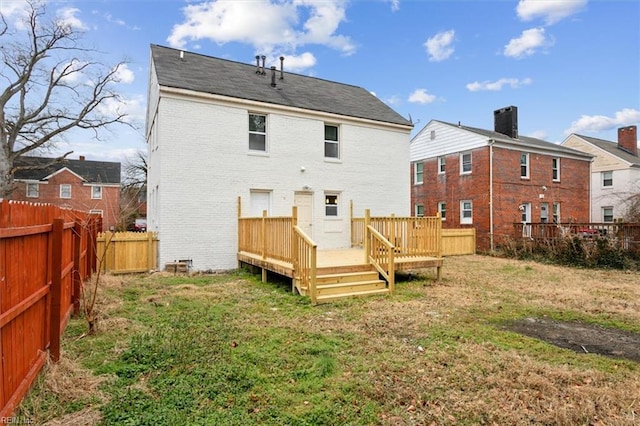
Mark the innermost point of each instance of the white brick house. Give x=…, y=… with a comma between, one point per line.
x=218, y=129
x=615, y=172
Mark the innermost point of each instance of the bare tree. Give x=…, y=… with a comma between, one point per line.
x=134, y=187
x=49, y=85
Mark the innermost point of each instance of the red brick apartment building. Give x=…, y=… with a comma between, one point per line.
x=92, y=186
x=492, y=179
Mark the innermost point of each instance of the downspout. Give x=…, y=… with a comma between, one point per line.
x=491, y=141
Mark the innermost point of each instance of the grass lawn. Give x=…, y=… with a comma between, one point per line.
x=230, y=350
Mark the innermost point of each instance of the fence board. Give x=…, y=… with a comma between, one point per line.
x=28, y=269
x=458, y=241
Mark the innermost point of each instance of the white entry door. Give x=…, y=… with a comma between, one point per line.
x=304, y=202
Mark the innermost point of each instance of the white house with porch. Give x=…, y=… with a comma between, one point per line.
x=219, y=131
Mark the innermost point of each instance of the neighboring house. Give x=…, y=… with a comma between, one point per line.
x=218, y=130
x=92, y=186
x=615, y=172
x=491, y=179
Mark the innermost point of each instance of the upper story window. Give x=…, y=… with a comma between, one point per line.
x=331, y=141
x=466, y=212
x=555, y=166
x=465, y=163
x=257, y=132
x=65, y=190
x=331, y=205
x=441, y=164
x=432, y=135
x=33, y=190
x=524, y=165
x=418, y=173
x=607, y=178
x=419, y=210
x=96, y=192
x=442, y=209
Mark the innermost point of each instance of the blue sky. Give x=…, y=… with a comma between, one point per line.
x=570, y=66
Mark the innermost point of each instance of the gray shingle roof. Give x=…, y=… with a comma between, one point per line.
x=523, y=141
x=613, y=149
x=92, y=171
x=217, y=76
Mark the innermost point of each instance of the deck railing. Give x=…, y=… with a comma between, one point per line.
x=269, y=237
x=380, y=254
x=305, y=262
x=624, y=235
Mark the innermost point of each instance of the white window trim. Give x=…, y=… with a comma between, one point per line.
x=526, y=165
x=93, y=197
x=525, y=210
x=37, y=186
x=332, y=194
x=555, y=213
x=442, y=165
x=97, y=211
x=417, y=214
x=266, y=138
x=339, y=157
x=466, y=220
x=440, y=209
x=462, y=154
x=70, y=192
x=602, y=179
x=415, y=174
x=602, y=209
x=557, y=159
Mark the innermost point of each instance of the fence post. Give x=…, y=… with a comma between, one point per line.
x=367, y=243
x=150, y=253
x=77, y=268
x=56, y=289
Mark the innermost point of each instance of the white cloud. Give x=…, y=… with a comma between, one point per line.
x=528, y=43
x=67, y=17
x=599, y=123
x=439, y=46
x=266, y=25
x=551, y=11
x=74, y=72
x=539, y=134
x=420, y=96
x=395, y=5
x=296, y=63
x=514, y=83
x=124, y=75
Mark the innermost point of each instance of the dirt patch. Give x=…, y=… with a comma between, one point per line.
x=581, y=337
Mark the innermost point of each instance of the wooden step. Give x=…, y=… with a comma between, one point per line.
x=347, y=277
x=343, y=269
x=350, y=287
x=333, y=297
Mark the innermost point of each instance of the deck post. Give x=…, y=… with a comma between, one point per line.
x=392, y=230
x=367, y=243
x=294, y=246
x=239, y=230
x=264, y=235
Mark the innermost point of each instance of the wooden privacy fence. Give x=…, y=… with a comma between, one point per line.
x=46, y=253
x=457, y=242
x=127, y=252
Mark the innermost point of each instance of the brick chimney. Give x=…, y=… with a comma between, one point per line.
x=628, y=139
x=505, y=121
x=82, y=158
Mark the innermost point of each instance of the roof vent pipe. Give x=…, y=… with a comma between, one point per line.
x=263, y=59
x=182, y=55
x=273, y=76
x=281, y=67
x=257, y=64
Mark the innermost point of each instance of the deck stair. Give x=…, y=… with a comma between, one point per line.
x=332, y=284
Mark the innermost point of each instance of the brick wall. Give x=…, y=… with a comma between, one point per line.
x=49, y=193
x=509, y=191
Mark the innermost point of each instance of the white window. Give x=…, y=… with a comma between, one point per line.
x=96, y=212
x=331, y=142
x=65, y=190
x=465, y=163
x=556, y=212
x=525, y=210
x=442, y=209
x=419, y=210
x=607, y=179
x=96, y=192
x=257, y=132
x=466, y=212
x=33, y=190
x=607, y=214
x=441, y=164
x=418, y=173
x=544, y=212
x=331, y=205
x=555, y=165
x=524, y=165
